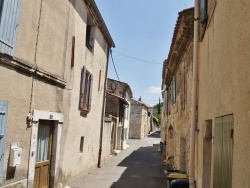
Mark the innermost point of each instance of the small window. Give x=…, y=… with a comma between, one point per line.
x=85, y=90
x=89, y=37
x=73, y=52
x=203, y=17
x=173, y=90
x=183, y=87
x=81, y=144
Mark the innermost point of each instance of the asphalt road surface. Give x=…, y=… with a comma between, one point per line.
x=139, y=166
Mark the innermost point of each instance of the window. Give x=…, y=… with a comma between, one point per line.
x=173, y=90
x=203, y=17
x=81, y=144
x=9, y=16
x=183, y=87
x=73, y=52
x=86, y=90
x=89, y=37
x=165, y=104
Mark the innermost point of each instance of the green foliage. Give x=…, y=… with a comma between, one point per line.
x=157, y=113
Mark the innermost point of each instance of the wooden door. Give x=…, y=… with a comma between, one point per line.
x=43, y=154
x=223, y=152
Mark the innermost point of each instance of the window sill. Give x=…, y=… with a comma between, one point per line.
x=90, y=47
x=84, y=113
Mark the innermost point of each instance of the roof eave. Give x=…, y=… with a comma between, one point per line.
x=100, y=22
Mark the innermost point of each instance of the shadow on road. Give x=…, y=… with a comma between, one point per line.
x=144, y=169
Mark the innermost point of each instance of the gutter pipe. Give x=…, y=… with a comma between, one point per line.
x=194, y=97
x=103, y=110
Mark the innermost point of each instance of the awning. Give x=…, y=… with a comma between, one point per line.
x=123, y=100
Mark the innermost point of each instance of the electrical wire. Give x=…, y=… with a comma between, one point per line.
x=114, y=64
x=136, y=58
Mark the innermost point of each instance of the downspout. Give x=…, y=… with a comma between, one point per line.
x=123, y=125
x=194, y=97
x=103, y=110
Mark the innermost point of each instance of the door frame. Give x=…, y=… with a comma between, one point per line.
x=57, y=119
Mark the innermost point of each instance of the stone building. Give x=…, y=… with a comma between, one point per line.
x=140, y=119
x=177, y=79
x=118, y=104
x=53, y=63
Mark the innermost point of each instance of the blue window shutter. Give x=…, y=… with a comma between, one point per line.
x=3, y=123
x=10, y=11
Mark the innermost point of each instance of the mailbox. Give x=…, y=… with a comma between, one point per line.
x=15, y=156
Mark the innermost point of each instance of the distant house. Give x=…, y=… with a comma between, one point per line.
x=176, y=85
x=118, y=104
x=140, y=119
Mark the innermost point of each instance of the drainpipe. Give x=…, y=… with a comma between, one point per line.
x=103, y=110
x=194, y=98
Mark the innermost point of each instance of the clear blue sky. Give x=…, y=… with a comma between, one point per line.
x=141, y=29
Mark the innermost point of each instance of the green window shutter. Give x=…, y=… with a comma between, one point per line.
x=9, y=17
x=3, y=124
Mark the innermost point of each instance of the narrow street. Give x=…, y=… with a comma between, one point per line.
x=138, y=166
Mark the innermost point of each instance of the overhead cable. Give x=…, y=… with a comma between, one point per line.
x=136, y=58
x=114, y=64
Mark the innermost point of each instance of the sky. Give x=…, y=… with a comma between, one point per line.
x=141, y=30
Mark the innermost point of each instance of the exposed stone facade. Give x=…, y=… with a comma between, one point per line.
x=177, y=79
x=140, y=119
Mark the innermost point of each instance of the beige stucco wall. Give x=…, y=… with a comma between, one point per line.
x=17, y=90
x=75, y=124
x=42, y=34
x=144, y=122
x=49, y=55
x=224, y=82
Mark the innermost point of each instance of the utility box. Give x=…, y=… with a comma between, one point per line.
x=15, y=156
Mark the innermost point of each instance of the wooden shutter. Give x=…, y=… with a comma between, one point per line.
x=227, y=152
x=8, y=25
x=3, y=123
x=223, y=145
x=183, y=85
x=217, y=152
x=171, y=91
x=90, y=91
x=165, y=103
x=73, y=52
x=82, y=89
x=174, y=89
